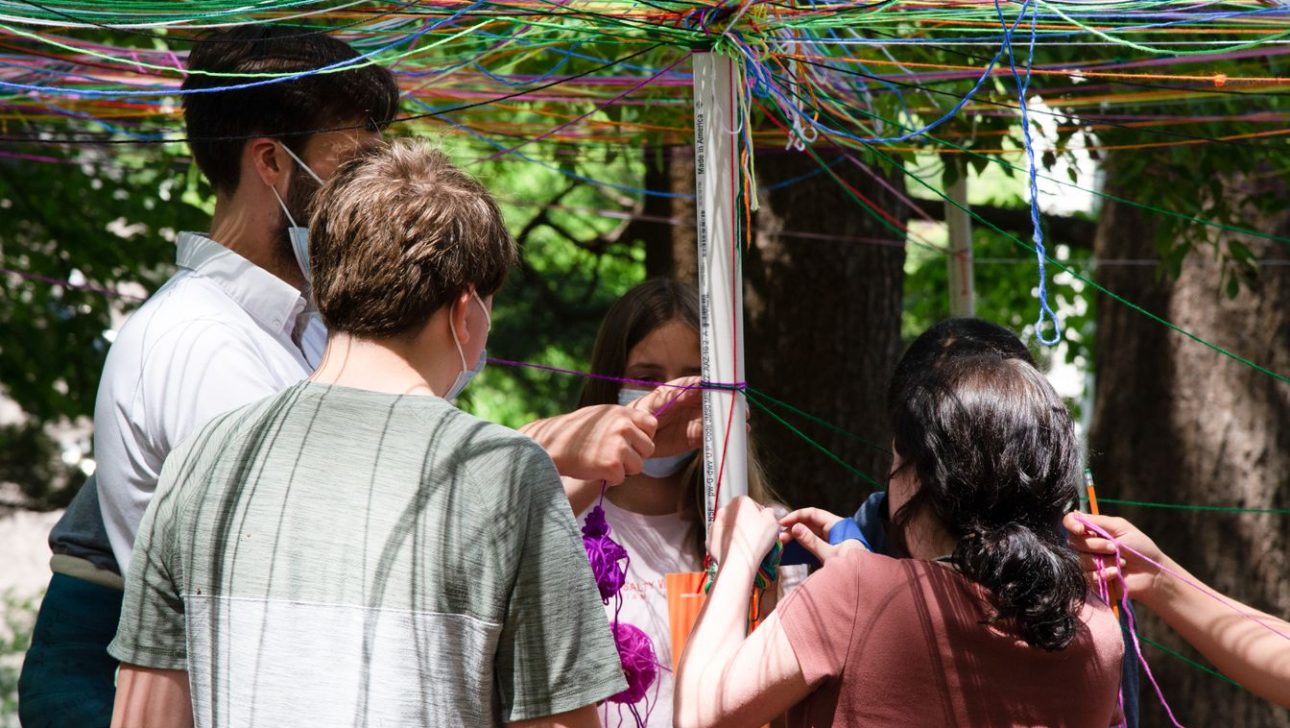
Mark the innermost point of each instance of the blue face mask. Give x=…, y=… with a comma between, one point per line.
x=656, y=467
x=467, y=373
x=299, y=235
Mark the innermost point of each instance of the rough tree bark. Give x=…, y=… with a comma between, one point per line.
x=670, y=241
x=822, y=320
x=1177, y=422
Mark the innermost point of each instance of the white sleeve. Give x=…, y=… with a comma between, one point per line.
x=148, y=404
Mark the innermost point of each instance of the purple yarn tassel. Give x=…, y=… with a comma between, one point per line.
x=604, y=554
x=609, y=561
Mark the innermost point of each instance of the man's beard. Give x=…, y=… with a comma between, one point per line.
x=300, y=196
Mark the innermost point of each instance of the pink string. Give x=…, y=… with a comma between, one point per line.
x=1124, y=602
x=68, y=284
x=1128, y=611
x=580, y=117
x=1137, y=647
x=35, y=158
x=914, y=207
x=1235, y=607
x=1104, y=592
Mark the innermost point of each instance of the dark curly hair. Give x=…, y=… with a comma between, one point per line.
x=994, y=453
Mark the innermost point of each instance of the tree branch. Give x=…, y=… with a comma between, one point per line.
x=1076, y=232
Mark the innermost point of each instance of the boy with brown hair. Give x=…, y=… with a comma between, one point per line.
x=230, y=327
x=356, y=550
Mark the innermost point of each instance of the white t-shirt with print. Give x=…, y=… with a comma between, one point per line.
x=657, y=546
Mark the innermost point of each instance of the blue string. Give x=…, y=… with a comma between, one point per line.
x=1023, y=86
x=958, y=106
x=1188, y=19
x=801, y=178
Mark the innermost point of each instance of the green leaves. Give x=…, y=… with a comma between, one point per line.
x=97, y=221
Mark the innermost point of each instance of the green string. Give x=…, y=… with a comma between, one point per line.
x=1162, y=51
x=999, y=160
x=832, y=456
x=1189, y=661
x=817, y=420
x=361, y=63
x=1085, y=279
x=1192, y=507
x=1048, y=258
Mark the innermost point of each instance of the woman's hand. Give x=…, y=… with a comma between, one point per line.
x=743, y=530
x=1097, y=555
x=810, y=527
x=678, y=407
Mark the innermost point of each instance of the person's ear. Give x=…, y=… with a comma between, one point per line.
x=458, y=312
x=265, y=157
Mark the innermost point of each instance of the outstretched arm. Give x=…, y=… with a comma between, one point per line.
x=1253, y=651
x=608, y=442
x=727, y=677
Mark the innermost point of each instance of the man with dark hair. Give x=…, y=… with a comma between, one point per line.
x=356, y=550
x=230, y=327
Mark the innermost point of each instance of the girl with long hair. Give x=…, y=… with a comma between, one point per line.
x=651, y=337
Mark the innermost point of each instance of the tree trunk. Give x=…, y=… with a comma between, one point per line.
x=1177, y=422
x=822, y=320
x=674, y=252
x=823, y=329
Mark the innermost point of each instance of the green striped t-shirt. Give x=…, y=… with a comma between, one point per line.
x=334, y=556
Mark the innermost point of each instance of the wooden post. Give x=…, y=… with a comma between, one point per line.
x=962, y=285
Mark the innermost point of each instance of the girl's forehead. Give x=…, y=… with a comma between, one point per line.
x=671, y=343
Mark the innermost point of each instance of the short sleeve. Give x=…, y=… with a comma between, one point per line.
x=819, y=618
x=189, y=376
x=151, y=632
x=556, y=653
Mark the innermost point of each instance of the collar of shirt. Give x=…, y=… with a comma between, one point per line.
x=272, y=302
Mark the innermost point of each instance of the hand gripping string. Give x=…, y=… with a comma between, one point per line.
x=1124, y=601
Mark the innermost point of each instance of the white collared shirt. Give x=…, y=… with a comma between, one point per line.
x=221, y=333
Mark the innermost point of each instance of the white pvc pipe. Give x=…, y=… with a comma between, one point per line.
x=725, y=412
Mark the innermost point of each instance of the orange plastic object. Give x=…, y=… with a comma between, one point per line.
x=685, y=599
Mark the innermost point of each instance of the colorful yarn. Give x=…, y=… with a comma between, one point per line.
x=530, y=78
x=1229, y=604
x=1124, y=600
x=767, y=572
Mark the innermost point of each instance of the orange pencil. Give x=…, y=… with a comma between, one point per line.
x=1092, y=508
